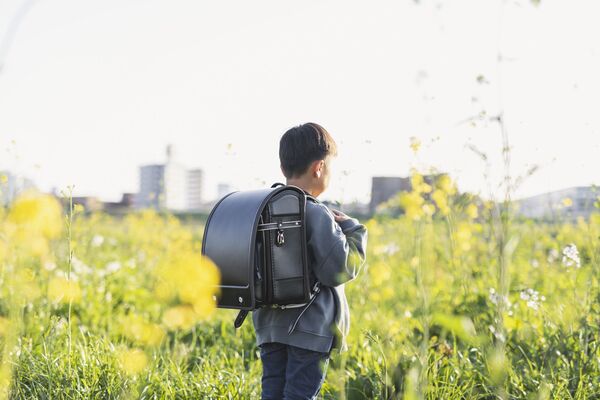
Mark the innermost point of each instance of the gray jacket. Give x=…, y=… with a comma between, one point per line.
x=336, y=253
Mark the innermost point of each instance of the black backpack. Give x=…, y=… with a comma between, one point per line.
x=257, y=239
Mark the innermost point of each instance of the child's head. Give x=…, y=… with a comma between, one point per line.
x=305, y=153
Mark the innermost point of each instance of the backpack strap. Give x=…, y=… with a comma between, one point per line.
x=241, y=317
x=317, y=285
x=311, y=198
x=308, y=195
x=316, y=290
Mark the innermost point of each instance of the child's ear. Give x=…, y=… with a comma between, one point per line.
x=318, y=168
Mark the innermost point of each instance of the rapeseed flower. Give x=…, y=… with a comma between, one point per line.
x=412, y=203
x=137, y=329
x=472, y=211
x=36, y=213
x=62, y=290
x=180, y=317
x=133, y=361
x=415, y=144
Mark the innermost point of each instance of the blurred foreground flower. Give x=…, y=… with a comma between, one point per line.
x=33, y=219
x=137, y=329
x=180, y=317
x=445, y=184
x=192, y=279
x=36, y=213
x=440, y=197
x=472, y=211
x=63, y=290
x=133, y=361
x=418, y=184
x=412, y=203
x=463, y=237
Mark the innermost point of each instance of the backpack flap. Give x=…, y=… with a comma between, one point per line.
x=229, y=241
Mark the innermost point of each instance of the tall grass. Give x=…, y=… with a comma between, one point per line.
x=450, y=306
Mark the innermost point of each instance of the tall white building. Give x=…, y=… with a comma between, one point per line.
x=169, y=186
x=151, y=193
x=175, y=182
x=195, y=180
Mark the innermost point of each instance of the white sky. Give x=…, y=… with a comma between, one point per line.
x=92, y=89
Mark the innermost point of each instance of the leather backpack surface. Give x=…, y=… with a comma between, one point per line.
x=257, y=239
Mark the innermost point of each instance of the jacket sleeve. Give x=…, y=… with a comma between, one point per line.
x=338, y=251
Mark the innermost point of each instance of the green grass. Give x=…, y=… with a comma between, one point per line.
x=421, y=328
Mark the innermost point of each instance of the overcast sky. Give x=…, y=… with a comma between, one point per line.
x=90, y=90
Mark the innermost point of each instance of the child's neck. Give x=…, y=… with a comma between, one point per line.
x=303, y=184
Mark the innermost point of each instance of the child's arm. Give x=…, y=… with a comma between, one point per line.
x=338, y=250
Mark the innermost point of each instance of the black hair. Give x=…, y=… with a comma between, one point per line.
x=303, y=144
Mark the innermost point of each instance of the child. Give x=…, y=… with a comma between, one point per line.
x=295, y=343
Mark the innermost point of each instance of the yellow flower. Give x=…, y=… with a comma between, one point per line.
x=463, y=236
x=38, y=246
x=471, y=211
x=3, y=179
x=415, y=144
x=133, y=361
x=416, y=180
x=567, y=202
x=63, y=290
x=25, y=284
x=441, y=201
x=412, y=204
x=444, y=183
x=204, y=306
x=418, y=184
x=179, y=317
x=37, y=213
x=139, y=330
x=192, y=278
x=512, y=323
x=30, y=291
x=164, y=291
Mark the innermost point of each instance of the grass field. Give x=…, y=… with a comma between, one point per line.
x=457, y=301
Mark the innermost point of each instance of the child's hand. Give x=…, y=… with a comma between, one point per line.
x=339, y=216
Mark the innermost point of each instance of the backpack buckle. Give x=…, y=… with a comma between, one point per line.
x=280, y=238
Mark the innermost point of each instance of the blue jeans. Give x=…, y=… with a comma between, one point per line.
x=290, y=372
